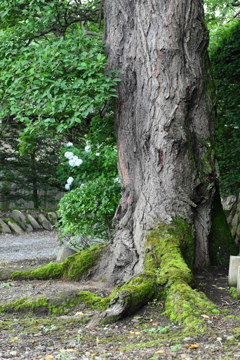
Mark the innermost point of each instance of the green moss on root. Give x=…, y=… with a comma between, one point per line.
x=61, y=304
x=184, y=305
x=72, y=268
x=164, y=254
x=164, y=249
x=136, y=292
x=93, y=301
x=167, y=274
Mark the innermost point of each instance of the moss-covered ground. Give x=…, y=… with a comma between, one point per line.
x=148, y=334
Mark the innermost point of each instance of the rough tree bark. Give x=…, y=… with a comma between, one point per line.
x=170, y=204
x=164, y=121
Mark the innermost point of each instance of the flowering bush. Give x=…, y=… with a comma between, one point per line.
x=87, y=210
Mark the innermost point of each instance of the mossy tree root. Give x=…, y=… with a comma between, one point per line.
x=167, y=276
x=73, y=268
x=127, y=299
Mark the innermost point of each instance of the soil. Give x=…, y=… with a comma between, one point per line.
x=146, y=335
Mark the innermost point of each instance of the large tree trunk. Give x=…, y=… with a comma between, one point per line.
x=164, y=123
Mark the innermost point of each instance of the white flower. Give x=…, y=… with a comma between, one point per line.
x=67, y=186
x=87, y=148
x=70, y=180
x=78, y=162
x=75, y=161
x=117, y=180
x=68, y=154
x=97, y=154
x=72, y=162
x=69, y=144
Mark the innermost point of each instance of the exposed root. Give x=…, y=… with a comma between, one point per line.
x=127, y=299
x=73, y=268
x=166, y=276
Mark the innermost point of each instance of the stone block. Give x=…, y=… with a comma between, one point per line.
x=34, y=223
x=44, y=222
x=52, y=217
x=4, y=228
x=233, y=270
x=238, y=282
x=229, y=202
x=64, y=252
x=22, y=220
x=15, y=227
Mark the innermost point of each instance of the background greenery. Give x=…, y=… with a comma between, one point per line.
x=55, y=91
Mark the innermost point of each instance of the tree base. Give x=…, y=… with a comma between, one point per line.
x=166, y=276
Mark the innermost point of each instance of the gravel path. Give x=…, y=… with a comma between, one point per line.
x=30, y=247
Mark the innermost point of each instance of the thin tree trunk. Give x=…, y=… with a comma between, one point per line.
x=34, y=181
x=164, y=124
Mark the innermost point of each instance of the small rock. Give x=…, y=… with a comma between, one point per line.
x=64, y=252
x=230, y=338
x=135, y=320
x=44, y=222
x=188, y=339
x=13, y=353
x=4, y=228
x=34, y=222
x=71, y=343
x=185, y=357
x=52, y=217
x=15, y=227
x=20, y=218
x=228, y=203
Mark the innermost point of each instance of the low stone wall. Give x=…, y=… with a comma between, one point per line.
x=231, y=207
x=19, y=222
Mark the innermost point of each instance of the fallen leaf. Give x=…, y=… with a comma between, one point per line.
x=134, y=332
x=160, y=352
x=193, y=346
x=205, y=316
x=79, y=313
x=93, y=355
x=14, y=339
x=48, y=357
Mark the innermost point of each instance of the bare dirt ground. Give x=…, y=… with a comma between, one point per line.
x=146, y=335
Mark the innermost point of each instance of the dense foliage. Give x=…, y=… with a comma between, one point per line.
x=54, y=87
x=225, y=58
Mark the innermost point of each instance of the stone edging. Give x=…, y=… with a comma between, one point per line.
x=18, y=222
